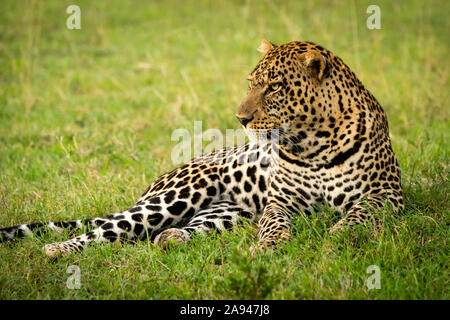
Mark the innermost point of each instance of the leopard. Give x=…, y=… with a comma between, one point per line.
x=316, y=137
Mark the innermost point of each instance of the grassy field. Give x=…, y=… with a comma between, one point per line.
x=86, y=118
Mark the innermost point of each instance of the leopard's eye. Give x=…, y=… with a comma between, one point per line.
x=274, y=86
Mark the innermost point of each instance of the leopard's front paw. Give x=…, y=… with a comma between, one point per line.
x=54, y=250
x=170, y=237
x=255, y=250
x=264, y=247
x=337, y=228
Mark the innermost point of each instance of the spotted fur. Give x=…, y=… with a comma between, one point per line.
x=332, y=147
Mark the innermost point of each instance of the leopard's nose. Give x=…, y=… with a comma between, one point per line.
x=244, y=121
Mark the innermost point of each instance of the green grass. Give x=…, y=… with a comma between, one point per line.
x=86, y=118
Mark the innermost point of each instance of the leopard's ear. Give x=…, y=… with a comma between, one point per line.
x=316, y=64
x=266, y=46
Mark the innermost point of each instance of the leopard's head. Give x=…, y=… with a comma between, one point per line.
x=305, y=94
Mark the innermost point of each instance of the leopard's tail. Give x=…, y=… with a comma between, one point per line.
x=22, y=230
